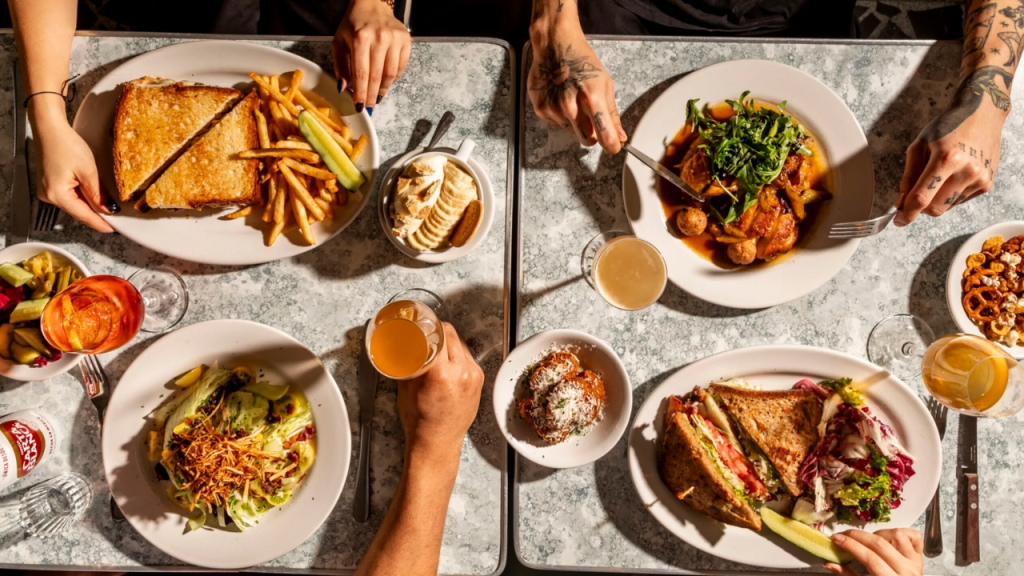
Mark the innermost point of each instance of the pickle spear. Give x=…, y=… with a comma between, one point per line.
x=333, y=156
x=804, y=536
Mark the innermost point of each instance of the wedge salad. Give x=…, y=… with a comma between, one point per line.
x=230, y=447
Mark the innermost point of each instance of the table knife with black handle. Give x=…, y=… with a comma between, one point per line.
x=968, y=527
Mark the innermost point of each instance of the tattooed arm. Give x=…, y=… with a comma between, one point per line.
x=955, y=157
x=568, y=85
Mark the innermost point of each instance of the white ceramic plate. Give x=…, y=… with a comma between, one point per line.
x=595, y=356
x=954, y=291
x=778, y=368
x=446, y=253
x=16, y=254
x=148, y=383
x=202, y=236
x=816, y=259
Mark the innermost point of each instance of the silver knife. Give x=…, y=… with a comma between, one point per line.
x=367, y=397
x=968, y=544
x=664, y=172
x=21, y=199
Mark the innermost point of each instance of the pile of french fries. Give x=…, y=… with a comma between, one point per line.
x=298, y=188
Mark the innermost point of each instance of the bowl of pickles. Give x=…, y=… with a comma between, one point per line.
x=30, y=274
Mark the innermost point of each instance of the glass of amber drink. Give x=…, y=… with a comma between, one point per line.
x=973, y=376
x=406, y=334
x=94, y=315
x=629, y=273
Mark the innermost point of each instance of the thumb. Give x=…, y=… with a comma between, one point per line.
x=93, y=192
x=342, y=63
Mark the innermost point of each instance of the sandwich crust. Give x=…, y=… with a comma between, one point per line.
x=155, y=121
x=783, y=424
x=685, y=464
x=210, y=173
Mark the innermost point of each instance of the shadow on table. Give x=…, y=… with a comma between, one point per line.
x=927, y=298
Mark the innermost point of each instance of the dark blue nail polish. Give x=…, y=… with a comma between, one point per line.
x=359, y=107
x=113, y=207
x=379, y=98
x=369, y=110
x=115, y=233
x=341, y=86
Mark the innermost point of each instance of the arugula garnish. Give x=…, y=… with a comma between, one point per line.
x=751, y=146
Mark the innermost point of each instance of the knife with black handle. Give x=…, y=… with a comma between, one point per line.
x=367, y=378
x=968, y=541
x=21, y=199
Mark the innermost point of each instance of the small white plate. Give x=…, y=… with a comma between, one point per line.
x=202, y=236
x=778, y=368
x=595, y=355
x=447, y=252
x=16, y=254
x=954, y=291
x=816, y=258
x=148, y=383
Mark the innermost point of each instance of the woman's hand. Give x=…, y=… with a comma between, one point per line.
x=884, y=553
x=438, y=408
x=568, y=85
x=956, y=156
x=67, y=175
x=371, y=50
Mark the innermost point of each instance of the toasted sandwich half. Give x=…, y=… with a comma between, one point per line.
x=210, y=173
x=155, y=120
x=705, y=470
x=777, y=429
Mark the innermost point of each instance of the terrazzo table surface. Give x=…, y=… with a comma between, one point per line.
x=323, y=299
x=590, y=517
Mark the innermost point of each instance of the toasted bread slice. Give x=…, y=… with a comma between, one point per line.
x=685, y=464
x=783, y=424
x=155, y=120
x=210, y=173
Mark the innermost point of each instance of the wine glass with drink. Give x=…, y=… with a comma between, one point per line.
x=406, y=334
x=973, y=376
x=93, y=315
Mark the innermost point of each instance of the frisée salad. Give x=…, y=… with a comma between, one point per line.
x=858, y=469
x=229, y=447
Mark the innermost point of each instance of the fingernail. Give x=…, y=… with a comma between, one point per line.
x=369, y=110
x=115, y=233
x=838, y=538
x=359, y=107
x=900, y=220
x=379, y=98
x=832, y=568
x=112, y=206
x=341, y=86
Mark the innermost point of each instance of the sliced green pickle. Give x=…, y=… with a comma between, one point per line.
x=804, y=536
x=333, y=156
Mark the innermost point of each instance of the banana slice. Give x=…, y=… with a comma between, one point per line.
x=457, y=191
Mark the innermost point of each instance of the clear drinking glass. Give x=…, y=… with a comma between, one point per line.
x=627, y=272
x=48, y=508
x=164, y=295
x=897, y=344
x=406, y=334
x=973, y=376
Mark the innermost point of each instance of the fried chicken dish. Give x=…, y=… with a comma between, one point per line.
x=758, y=174
x=561, y=398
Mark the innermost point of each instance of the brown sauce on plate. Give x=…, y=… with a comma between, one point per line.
x=674, y=199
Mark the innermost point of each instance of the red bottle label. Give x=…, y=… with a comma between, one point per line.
x=28, y=444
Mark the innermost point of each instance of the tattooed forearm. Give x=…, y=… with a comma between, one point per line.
x=977, y=26
x=968, y=98
x=560, y=74
x=1014, y=15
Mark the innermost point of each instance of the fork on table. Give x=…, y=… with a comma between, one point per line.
x=933, y=523
x=46, y=217
x=96, y=387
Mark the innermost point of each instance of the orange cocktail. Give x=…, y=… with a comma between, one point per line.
x=94, y=315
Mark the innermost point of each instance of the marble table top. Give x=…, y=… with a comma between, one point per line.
x=590, y=518
x=323, y=299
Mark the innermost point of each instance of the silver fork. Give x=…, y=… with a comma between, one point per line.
x=97, y=386
x=860, y=229
x=46, y=217
x=933, y=523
